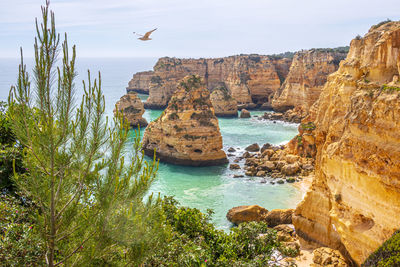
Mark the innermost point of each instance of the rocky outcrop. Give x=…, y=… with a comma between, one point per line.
x=132, y=109
x=223, y=103
x=327, y=257
x=307, y=76
x=275, y=162
x=250, y=79
x=279, y=216
x=140, y=82
x=253, y=213
x=187, y=133
x=354, y=201
x=244, y=114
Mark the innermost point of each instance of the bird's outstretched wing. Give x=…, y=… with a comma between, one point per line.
x=141, y=35
x=147, y=34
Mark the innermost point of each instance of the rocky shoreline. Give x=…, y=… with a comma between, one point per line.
x=270, y=162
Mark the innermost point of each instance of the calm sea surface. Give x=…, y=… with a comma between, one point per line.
x=200, y=187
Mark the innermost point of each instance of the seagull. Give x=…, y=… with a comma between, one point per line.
x=146, y=36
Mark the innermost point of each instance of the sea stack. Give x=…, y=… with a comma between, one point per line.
x=223, y=103
x=187, y=132
x=354, y=202
x=132, y=109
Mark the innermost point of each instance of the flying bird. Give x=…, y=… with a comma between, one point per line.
x=146, y=36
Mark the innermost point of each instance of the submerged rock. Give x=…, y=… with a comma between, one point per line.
x=187, y=133
x=132, y=109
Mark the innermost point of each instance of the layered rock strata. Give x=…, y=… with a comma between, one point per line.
x=250, y=79
x=132, y=109
x=354, y=202
x=223, y=103
x=140, y=82
x=307, y=76
x=187, y=133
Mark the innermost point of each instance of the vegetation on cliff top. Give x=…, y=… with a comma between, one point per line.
x=386, y=255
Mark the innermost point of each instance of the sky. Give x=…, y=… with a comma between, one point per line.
x=193, y=28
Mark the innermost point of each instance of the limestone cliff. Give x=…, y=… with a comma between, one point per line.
x=223, y=103
x=306, y=78
x=140, y=82
x=354, y=201
x=187, y=133
x=132, y=109
x=249, y=78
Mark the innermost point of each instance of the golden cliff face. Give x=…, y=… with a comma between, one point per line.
x=187, y=133
x=140, y=82
x=132, y=109
x=306, y=78
x=354, y=201
x=223, y=103
x=249, y=78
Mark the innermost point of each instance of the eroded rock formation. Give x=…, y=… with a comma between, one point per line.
x=140, y=82
x=250, y=79
x=223, y=103
x=132, y=109
x=354, y=202
x=306, y=78
x=187, y=133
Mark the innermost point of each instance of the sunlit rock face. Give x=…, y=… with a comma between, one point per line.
x=307, y=76
x=140, y=82
x=132, y=109
x=354, y=202
x=250, y=79
x=187, y=133
x=224, y=104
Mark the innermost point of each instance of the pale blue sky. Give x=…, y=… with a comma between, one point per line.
x=194, y=28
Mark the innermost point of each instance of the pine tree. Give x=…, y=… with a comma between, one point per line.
x=91, y=206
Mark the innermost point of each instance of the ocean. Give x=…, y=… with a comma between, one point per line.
x=198, y=187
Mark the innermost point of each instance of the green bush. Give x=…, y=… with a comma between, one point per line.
x=196, y=242
x=20, y=244
x=386, y=255
x=10, y=152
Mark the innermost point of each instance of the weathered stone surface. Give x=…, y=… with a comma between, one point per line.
x=327, y=257
x=132, y=109
x=223, y=103
x=242, y=214
x=250, y=79
x=354, y=201
x=253, y=148
x=187, y=133
x=234, y=166
x=306, y=78
x=140, y=82
x=244, y=113
x=279, y=216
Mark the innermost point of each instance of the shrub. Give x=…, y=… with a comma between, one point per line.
x=308, y=126
x=20, y=243
x=390, y=89
x=386, y=255
x=196, y=241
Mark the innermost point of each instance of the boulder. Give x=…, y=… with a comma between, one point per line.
x=244, y=113
x=231, y=149
x=234, y=166
x=242, y=214
x=279, y=216
x=253, y=148
x=327, y=257
x=290, y=169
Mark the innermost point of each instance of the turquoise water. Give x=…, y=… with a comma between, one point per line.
x=200, y=187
